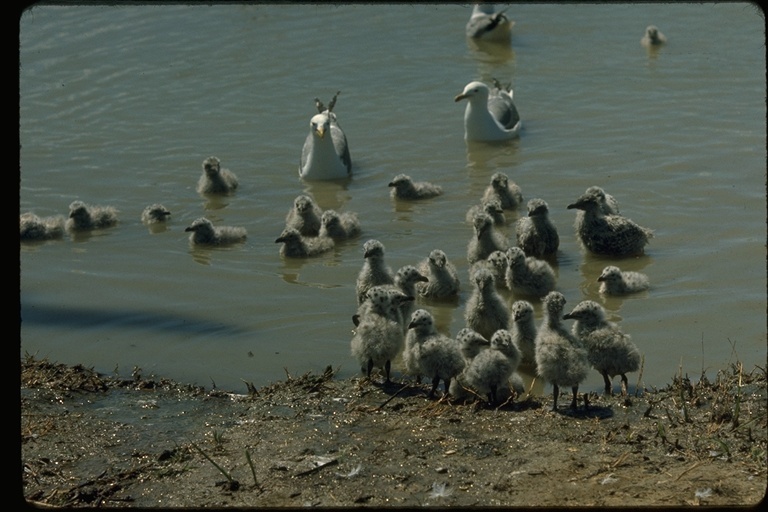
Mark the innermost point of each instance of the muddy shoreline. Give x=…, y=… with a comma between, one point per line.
x=90, y=440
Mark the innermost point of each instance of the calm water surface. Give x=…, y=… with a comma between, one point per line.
x=120, y=105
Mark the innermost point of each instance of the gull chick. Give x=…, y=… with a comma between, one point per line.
x=215, y=179
x=403, y=187
x=85, y=217
x=205, y=233
x=614, y=281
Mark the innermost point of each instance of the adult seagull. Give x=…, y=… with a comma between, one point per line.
x=487, y=25
x=325, y=155
x=491, y=114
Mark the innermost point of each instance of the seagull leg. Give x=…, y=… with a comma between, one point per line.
x=623, y=385
x=435, y=382
x=555, y=392
x=447, y=383
x=370, y=367
x=387, y=368
x=575, y=394
x=608, y=387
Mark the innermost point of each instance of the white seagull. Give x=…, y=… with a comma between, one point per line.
x=491, y=114
x=325, y=155
x=487, y=25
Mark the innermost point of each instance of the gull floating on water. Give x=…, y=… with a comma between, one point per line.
x=488, y=25
x=32, y=227
x=506, y=191
x=295, y=245
x=442, y=277
x=339, y=226
x=490, y=115
x=304, y=216
x=653, y=37
x=325, y=155
x=205, y=233
x=536, y=234
x=403, y=187
x=84, y=217
x=614, y=281
x=527, y=275
x=155, y=213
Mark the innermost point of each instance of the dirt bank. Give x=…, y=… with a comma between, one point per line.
x=311, y=440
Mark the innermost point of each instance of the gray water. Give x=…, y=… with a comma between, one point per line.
x=119, y=105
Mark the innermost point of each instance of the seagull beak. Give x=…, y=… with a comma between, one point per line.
x=189, y=229
x=320, y=131
x=460, y=97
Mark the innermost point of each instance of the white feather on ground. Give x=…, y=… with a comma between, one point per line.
x=374, y=272
x=305, y=216
x=442, y=277
x=614, y=281
x=527, y=275
x=560, y=357
x=438, y=357
x=403, y=187
x=486, y=311
x=490, y=115
x=297, y=246
x=536, y=234
x=84, y=217
x=610, y=351
x=32, y=227
x=203, y=232
x=215, y=179
x=485, y=240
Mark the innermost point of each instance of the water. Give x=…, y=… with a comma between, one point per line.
x=120, y=105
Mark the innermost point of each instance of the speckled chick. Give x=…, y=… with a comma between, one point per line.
x=614, y=281
x=32, y=227
x=84, y=217
x=215, y=179
x=203, y=232
x=378, y=338
x=536, y=234
x=442, y=277
x=608, y=204
x=154, y=214
x=295, y=245
x=403, y=187
x=375, y=271
x=527, y=275
x=438, y=356
x=486, y=311
x=610, y=351
x=490, y=371
x=339, y=226
x=560, y=357
x=505, y=190
x=491, y=207
x=305, y=216
x=612, y=235
x=485, y=239
x=524, y=332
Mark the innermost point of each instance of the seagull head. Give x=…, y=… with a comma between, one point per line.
x=474, y=90
x=320, y=124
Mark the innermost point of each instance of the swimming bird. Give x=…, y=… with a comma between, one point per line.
x=496, y=262
x=485, y=240
x=652, y=37
x=524, y=332
x=305, y=216
x=403, y=187
x=205, y=233
x=610, y=351
x=614, y=281
x=492, y=207
x=339, y=226
x=490, y=370
x=438, y=357
x=560, y=357
x=505, y=190
x=527, y=275
x=536, y=234
x=487, y=25
x=379, y=337
x=295, y=245
x=608, y=204
x=32, y=227
x=325, y=155
x=84, y=217
x=374, y=272
x=442, y=277
x=486, y=311
x=490, y=114
x=215, y=179
x=155, y=213
x=613, y=235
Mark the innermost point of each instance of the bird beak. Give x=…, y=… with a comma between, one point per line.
x=320, y=131
x=391, y=184
x=281, y=239
x=189, y=229
x=601, y=278
x=572, y=206
x=567, y=316
x=460, y=97
x=423, y=279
